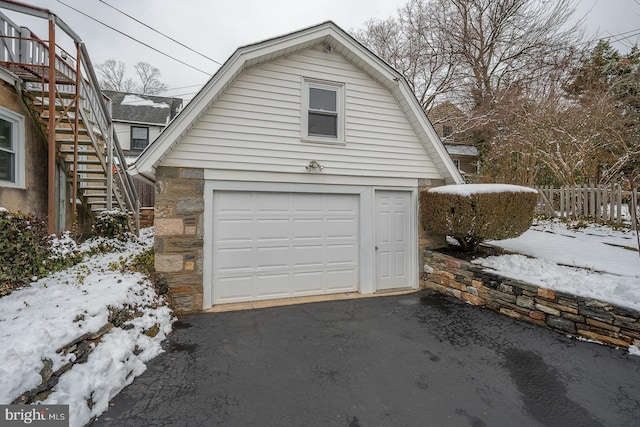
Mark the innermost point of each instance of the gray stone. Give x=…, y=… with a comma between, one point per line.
x=502, y=296
x=561, y=323
x=548, y=310
x=596, y=314
x=190, y=205
x=505, y=288
x=526, y=302
x=192, y=173
x=167, y=172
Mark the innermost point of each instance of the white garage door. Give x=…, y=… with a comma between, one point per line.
x=276, y=245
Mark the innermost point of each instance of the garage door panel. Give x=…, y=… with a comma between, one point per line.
x=270, y=285
x=308, y=282
x=271, y=257
x=235, y=230
x=233, y=204
x=308, y=228
x=304, y=256
x=341, y=280
x=342, y=254
x=340, y=228
x=272, y=203
x=276, y=245
x=272, y=229
x=342, y=203
x=235, y=259
x=238, y=288
x=307, y=203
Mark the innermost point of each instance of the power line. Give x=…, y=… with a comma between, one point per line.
x=134, y=39
x=159, y=32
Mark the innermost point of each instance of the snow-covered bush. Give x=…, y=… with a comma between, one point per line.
x=24, y=244
x=113, y=225
x=473, y=213
x=29, y=252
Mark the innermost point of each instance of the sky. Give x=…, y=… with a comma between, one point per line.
x=216, y=28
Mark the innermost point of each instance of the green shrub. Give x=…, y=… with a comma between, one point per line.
x=29, y=252
x=25, y=248
x=113, y=225
x=474, y=213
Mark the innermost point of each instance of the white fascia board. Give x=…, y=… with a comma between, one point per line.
x=437, y=145
x=172, y=134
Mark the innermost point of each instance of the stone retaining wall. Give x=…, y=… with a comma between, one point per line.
x=178, y=228
x=569, y=314
x=80, y=348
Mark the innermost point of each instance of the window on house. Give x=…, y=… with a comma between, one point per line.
x=456, y=162
x=11, y=149
x=323, y=112
x=139, y=137
x=446, y=131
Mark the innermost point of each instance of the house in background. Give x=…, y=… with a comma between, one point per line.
x=294, y=172
x=57, y=158
x=138, y=120
x=449, y=121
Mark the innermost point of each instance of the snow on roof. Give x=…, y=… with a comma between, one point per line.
x=461, y=150
x=138, y=101
x=469, y=189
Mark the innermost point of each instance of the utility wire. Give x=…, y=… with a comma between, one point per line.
x=159, y=32
x=134, y=39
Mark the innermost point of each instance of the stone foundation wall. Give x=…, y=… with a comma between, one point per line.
x=178, y=227
x=569, y=314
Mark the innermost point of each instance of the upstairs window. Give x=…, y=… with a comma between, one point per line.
x=11, y=149
x=323, y=113
x=446, y=131
x=139, y=137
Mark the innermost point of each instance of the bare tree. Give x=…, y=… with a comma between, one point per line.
x=474, y=51
x=411, y=45
x=113, y=77
x=149, y=75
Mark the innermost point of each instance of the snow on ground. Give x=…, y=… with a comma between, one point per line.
x=594, y=261
x=38, y=320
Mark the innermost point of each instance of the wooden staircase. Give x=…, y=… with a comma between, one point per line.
x=63, y=95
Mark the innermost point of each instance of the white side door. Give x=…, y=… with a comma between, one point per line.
x=393, y=240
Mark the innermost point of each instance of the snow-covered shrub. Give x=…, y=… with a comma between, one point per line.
x=113, y=225
x=473, y=213
x=29, y=252
x=24, y=245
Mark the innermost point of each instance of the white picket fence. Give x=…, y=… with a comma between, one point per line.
x=600, y=203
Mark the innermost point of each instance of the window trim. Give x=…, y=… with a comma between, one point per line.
x=18, y=142
x=131, y=147
x=339, y=88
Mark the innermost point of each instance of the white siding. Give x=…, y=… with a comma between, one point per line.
x=256, y=125
x=123, y=132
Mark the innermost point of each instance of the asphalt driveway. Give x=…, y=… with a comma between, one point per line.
x=411, y=360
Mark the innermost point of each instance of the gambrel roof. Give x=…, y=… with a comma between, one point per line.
x=328, y=34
